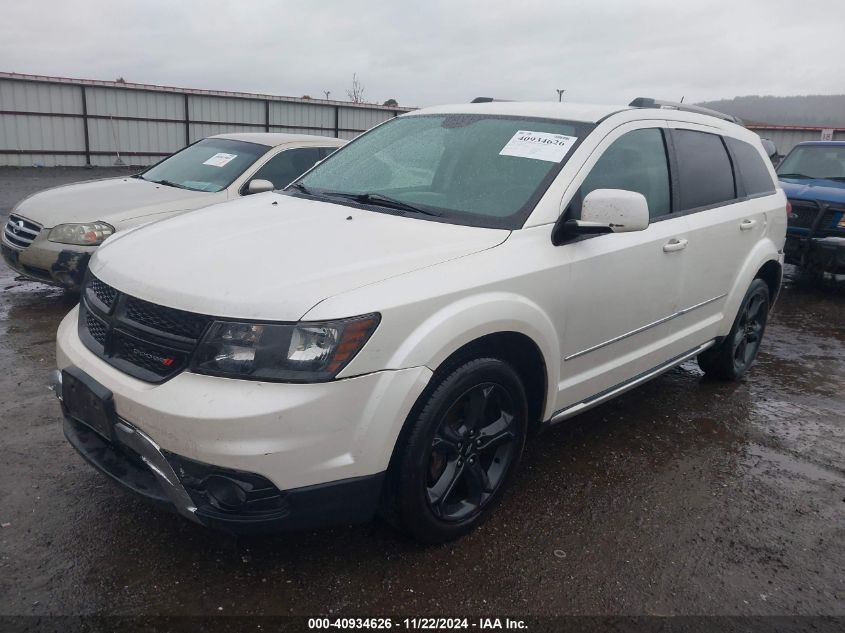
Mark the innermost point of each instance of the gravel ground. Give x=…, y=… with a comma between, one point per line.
x=684, y=496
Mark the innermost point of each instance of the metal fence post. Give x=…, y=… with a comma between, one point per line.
x=337, y=121
x=85, y=126
x=187, y=121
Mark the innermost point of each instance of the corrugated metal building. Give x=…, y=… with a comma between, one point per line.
x=53, y=121
x=785, y=137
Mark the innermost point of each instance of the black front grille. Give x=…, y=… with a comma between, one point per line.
x=143, y=339
x=804, y=214
x=829, y=225
x=816, y=219
x=106, y=294
x=165, y=319
x=96, y=328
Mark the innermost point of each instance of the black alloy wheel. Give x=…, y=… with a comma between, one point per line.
x=460, y=445
x=733, y=355
x=749, y=333
x=472, y=450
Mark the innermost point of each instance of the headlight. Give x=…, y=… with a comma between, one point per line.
x=301, y=352
x=87, y=234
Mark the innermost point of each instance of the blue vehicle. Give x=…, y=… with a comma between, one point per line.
x=813, y=177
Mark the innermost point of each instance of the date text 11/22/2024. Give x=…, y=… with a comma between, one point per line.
x=422, y=624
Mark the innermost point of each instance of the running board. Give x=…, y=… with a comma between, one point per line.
x=636, y=381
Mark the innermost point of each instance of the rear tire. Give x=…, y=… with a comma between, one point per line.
x=731, y=358
x=461, y=445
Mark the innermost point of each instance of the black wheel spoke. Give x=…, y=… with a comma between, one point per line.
x=439, y=493
x=740, y=350
x=750, y=350
x=447, y=447
x=739, y=338
x=470, y=451
x=478, y=483
x=500, y=432
x=755, y=308
x=477, y=403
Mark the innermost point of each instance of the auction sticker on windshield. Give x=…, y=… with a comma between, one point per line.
x=221, y=159
x=538, y=145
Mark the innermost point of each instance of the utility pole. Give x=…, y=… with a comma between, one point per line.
x=560, y=94
x=327, y=93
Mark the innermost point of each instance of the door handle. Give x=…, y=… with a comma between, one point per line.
x=675, y=245
x=747, y=225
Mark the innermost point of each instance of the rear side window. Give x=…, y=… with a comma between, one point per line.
x=705, y=175
x=751, y=167
x=636, y=161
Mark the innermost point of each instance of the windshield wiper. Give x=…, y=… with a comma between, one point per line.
x=381, y=200
x=836, y=178
x=795, y=176
x=170, y=183
x=301, y=188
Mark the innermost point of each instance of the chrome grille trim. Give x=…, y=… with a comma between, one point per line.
x=19, y=232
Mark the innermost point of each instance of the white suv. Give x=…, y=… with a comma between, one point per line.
x=385, y=333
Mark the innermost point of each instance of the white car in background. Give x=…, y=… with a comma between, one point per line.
x=50, y=236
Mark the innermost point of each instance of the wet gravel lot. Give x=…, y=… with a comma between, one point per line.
x=684, y=496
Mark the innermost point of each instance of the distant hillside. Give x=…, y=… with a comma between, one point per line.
x=818, y=110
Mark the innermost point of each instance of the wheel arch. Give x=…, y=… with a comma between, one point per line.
x=501, y=325
x=763, y=262
x=772, y=273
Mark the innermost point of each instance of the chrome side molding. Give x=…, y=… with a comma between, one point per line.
x=636, y=381
x=644, y=327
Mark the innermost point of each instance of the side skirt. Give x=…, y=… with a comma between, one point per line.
x=636, y=381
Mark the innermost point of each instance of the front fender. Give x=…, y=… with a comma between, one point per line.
x=451, y=327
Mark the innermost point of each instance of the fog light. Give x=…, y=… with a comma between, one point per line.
x=223, y=493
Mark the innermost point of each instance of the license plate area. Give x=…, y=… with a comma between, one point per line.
x=87, y=401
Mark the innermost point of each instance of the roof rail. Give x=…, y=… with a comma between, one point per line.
x=486, y=100
x=645, y=102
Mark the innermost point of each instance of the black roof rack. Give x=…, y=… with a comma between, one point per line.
x=645, y=102
x=486, y=100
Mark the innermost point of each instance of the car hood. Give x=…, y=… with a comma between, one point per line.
x=274, y=256
x=112, y=200
x=816, y=189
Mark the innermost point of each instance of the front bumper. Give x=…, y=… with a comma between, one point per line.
x=220, y=498
x=49, y=262
x=824, y=254
x=307, y=441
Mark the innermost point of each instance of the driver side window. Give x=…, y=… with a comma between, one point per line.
x=636, y=161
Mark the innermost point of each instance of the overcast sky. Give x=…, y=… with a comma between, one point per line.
x=439, y=51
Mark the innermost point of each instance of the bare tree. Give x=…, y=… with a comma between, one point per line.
x=392, y=103
x=356, y=92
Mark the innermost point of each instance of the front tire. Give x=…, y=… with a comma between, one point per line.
x=459, y=451
x=730, y=359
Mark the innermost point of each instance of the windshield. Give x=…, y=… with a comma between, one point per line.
x=210, y=165
x=468, y=169
x=814, y=161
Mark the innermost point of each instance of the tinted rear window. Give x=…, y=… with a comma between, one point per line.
x=751, y=167
x=704, y=169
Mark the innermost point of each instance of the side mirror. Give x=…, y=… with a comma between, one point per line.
x=259, y=186
x=607, y=211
